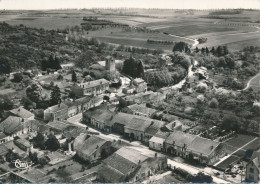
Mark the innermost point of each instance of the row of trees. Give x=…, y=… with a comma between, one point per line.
x=164, y=42
x=219, y=51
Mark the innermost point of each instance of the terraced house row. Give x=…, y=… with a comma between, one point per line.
x=159, y=135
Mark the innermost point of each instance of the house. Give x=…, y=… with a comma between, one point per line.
x=56, y=112
x=154, y=127
x=91, y=148
x=130, y=164
x=119, y=121
x=90, y=88
x=140, y=85
x=139, y=109
x=189, y=146
x=99, y=117
x=13, y=126
x=135, y=129
x=23, y=144
x=253, y=168
x=22, y=113
x=157, y=141
x=176, y=143
x=205, y=150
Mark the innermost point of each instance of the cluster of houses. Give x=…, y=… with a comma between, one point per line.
x=160, y=136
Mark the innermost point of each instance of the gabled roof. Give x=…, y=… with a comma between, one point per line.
x=88, y=146
x=22, y=112
x=104, y=116
x=57, y=108
x=138, y=123
x=121, y=118
x=154, y=127
x=11, y=125
x=23, y=142
x=203, y=145
x=139, y=80
x=58, y=125
x=157, y=140
x=179, y=138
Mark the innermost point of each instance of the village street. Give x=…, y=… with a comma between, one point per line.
x=139, y=146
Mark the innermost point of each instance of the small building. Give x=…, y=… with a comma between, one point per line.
x=3, y=137
x=13, y=126
x=91, y=148
x=253, y=168
x=130, y=164
x=56, y=112
x=157, y=141
x=139, y=109
x=22, y=113
x=140, y=85
x=90, y=88
x=135, y=129
x=23, y=144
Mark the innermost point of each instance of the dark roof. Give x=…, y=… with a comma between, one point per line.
x=56, y=108
x=73, y=132
x=23, y=142
x=3, y=150
x=2, y=135
x=122, y=118
x=138, y=124
x=11, y=125
x=154, y=127
x=111, y=174
x=104, y=116
x=90, y=145
x=21, y=112
x=119, y=163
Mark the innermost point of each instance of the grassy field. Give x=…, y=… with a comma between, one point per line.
x=237, y=142
x=237, y=46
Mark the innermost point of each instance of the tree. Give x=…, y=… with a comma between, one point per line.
x=197, y=50
x=39, y=141
x=213, y=103
x=230, y=122
x=52, y=143
x=181, y=47
x=207, y=51
x=201, y=178
x=86, y=59
x=74, y=76
x=33, y=157
x=55, y=96
x=213, y=51
x=33, y=92
x=133, y=67
x=18, y=77
x=43, y=161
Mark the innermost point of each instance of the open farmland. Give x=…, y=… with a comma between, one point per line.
x=136, y=39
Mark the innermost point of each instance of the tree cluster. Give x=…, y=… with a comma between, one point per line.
x=133, y=67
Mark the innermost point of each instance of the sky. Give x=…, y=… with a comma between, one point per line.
x=172, y=4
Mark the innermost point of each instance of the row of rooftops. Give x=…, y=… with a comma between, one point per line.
x=193, y=143
x=130, y=121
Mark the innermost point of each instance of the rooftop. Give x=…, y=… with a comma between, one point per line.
x=22, y=112
x=57, y=107
x=11, y=125
x=88, y=145
x=179, y=138
x=141, y=109
x=94, y=83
